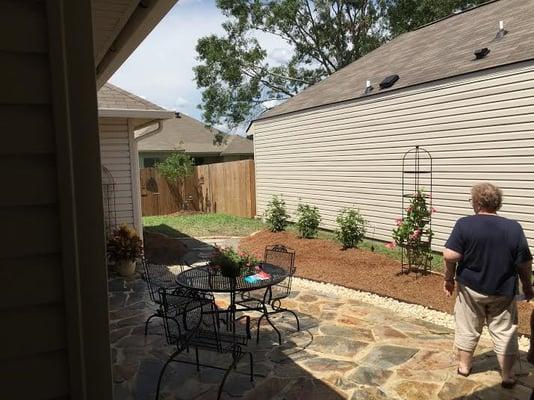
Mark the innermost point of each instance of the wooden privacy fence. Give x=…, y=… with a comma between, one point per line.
x=227, y=188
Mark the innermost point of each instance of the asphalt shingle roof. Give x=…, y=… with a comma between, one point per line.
x=115, y=98
x=439, y=50
x=192, y=136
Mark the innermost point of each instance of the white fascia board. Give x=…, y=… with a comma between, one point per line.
x=131, y=113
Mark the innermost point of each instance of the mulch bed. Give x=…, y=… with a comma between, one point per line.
x=325, y=261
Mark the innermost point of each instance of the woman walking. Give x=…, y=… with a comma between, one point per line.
x=485, y=255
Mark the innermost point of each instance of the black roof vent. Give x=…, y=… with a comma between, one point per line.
x=481, y=53
x=389, y=81
x=177, y=114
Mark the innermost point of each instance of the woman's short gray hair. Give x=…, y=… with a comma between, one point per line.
x=487, y=196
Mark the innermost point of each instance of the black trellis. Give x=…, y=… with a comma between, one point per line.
x=416, y=176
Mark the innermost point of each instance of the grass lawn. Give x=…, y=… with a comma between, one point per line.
x=198, y=225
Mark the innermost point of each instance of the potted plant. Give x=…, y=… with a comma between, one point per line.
x=124, y=248
x=231, y=263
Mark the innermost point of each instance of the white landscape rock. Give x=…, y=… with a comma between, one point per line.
x=399, y=307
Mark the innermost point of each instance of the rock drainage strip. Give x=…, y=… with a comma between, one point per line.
x=401, y=308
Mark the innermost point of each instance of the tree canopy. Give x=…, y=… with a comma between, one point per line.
x=237, y=78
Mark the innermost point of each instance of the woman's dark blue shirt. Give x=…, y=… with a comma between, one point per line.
x=492, y=248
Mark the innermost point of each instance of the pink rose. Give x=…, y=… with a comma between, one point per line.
x=415, y=234
x=391, y=245
x=398, y=221
x=433, y=210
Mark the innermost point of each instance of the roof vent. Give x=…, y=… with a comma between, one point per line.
x=368, y=87
x=501, y=32
x=389, y=81
x=481, y=53
x=177, y=114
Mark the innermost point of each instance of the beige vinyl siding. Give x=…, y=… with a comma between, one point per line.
x=116, y=157
x=478, y=127
x=32, y=308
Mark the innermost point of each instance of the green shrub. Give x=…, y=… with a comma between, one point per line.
x=308, y=219
x=276, y=215
x=351, y=228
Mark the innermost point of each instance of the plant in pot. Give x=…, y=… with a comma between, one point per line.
x=124, y=248
x=231, y=263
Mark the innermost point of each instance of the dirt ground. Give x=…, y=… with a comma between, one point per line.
x=323, y=260
x=164, y=250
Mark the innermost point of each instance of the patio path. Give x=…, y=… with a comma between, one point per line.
x=346, y=350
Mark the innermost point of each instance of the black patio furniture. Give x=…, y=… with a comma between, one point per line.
x=161, y=280
x=268, y=302
x=204, y=331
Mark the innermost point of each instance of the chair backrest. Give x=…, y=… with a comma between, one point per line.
x=157, y=277
x=281, y=256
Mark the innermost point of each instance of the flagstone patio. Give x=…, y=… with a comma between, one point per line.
x=346, y=349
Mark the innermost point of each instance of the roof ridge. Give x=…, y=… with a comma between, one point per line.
x=451, y=16
x=132, y=96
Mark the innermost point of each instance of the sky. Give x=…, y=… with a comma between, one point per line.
x=161, y=68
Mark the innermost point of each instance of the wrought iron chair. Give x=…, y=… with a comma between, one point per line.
x=161, y=280
x=282, y=257
x=204, y=331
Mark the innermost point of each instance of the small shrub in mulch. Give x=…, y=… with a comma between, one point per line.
x=323, y=260
x=308, y=219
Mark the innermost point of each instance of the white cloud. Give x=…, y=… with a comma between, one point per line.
x=161, y=68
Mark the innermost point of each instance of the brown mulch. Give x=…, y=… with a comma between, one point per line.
x=162, y=249
x=325, y=261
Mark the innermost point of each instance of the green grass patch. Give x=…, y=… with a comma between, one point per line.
x=198, y=225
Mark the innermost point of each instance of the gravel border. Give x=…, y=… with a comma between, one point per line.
x=400, y=308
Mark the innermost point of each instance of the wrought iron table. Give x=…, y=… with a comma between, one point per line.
x=207, y=278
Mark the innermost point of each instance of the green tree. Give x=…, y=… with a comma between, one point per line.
x=236, y=77
x=175, y=168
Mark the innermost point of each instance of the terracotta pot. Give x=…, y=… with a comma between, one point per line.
x=125, y=268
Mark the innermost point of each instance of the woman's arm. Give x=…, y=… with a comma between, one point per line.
x=451, y=257
x=525, y=272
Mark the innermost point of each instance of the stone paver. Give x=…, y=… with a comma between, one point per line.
x=346, y=350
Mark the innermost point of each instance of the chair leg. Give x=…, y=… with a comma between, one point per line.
x=296, y=317
x=197, y=359
x=228, y=370
x=258, y=329
x=251, y=357
x=148, y=321
x=171, y=358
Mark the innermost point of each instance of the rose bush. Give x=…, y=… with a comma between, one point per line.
x=413, y=231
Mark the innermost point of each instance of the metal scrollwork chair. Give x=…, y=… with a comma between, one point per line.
x=204, y=331
x=160, y=280
x=270, y=300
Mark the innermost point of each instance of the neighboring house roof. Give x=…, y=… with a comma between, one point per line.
x=238, y=145
x=192, y=136
x=116, y=102
x=439, y=50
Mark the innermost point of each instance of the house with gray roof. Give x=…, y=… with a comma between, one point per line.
x=120, y=115
x=461, y=87
x=183, y=133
